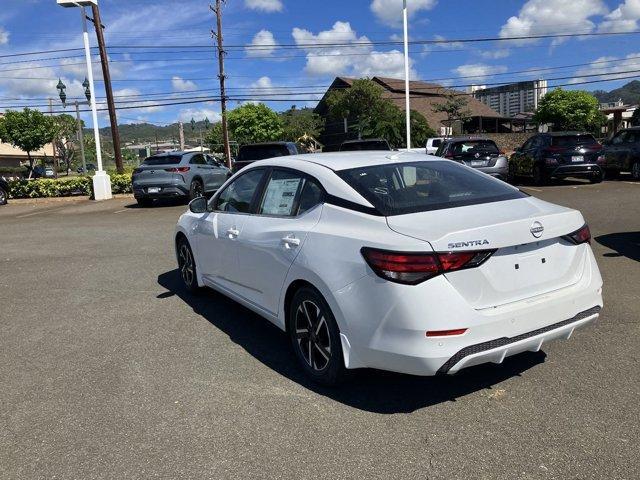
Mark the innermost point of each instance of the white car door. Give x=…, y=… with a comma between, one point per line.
x=272, y=237
x=218, y=231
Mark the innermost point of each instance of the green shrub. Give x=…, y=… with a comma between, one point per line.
x=65, y=187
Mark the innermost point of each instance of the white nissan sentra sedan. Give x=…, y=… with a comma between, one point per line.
x=400, y=262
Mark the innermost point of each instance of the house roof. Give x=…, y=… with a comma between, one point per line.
x=424, y=97
x=7, y=150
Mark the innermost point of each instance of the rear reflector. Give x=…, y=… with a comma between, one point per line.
x=582, y=235
x=446, y=333
x=412, y=268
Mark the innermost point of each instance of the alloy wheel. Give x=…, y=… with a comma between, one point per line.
x=198, y=190
x=312, y=334
x=3, y=197
x=186, y=265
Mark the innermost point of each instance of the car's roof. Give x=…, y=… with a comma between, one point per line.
x=365, y=140
x=565, y=134
x=466, y=139
x=346, y=160
x=176, y=153
x=264, y=144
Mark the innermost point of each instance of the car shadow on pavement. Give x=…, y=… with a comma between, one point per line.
x=365, y=389
x=624, y=244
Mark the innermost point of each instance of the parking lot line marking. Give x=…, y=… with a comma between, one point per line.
x=534, y=189
x=38, y=213
x=124, y=210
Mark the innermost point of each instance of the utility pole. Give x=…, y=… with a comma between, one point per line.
x=115, y=134
x=181, y=130
x=406, y=72
x=53, y=144
x=223, y=98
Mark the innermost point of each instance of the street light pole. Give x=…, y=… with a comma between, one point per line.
x=81, y=138
x=406, y=72
x=101, y=181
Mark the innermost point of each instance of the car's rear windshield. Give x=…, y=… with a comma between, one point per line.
x=573, y=140
x=401, y=188
x=471, y=147
x=260, y=152
x=364, y=145
x=163, y=160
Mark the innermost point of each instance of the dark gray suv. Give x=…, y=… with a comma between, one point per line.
x=177, y=174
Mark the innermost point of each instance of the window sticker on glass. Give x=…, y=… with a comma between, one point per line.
x=279, y=196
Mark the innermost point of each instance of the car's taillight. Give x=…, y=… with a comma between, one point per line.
x=601, y=160
x=413, y=268
x=177, y=169
x=551, y=161
x=582, y=235
x=449, y=156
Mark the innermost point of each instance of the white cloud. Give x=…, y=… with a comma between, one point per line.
x=622, y=19
x=179, y=84
x=478, y=71
x=495, y=54
x=609, y=66
x=4, y=36
x=133, y=98
x=390, y=11
x=264, y=5
x=544, y=17
x=262, y=45
x=353, y=56
x=186, y=114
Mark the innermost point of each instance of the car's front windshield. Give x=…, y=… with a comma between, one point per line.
x=401, y=188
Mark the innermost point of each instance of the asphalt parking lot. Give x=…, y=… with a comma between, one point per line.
x=110, y=370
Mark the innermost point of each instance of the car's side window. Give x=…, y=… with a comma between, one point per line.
x=238, y=195
x=527, y=145
x=311, y=196
x=618, y=139
x=198, y=160
x=281, y=193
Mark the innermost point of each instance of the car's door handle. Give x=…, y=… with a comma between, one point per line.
x=233, y=233
x=290, y=241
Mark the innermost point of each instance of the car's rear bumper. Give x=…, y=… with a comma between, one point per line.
x=166, y=191
x=582, y=170
x=384, y=325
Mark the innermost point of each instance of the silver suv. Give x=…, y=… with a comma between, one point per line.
x=177, y=174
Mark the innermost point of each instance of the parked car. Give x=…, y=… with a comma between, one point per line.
x=622, y=153
x=49, y=172
x=176, y=174
x=247, y=154
x=4, y=191
x=412, y=264
x=433, y=144
x=365, y=144
x=558, y=155
x=479, y=153
x=90, y=168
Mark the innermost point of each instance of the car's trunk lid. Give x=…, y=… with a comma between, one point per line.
x=528, y=260
x=153, y=175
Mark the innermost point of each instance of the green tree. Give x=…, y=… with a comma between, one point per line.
x=454, y=107
x=298, y=122
x=376, y=116
x=66, y=128
x=635, y=118
x=29, y=130
x=253, y=123
x=570, y=110
x=213, y=139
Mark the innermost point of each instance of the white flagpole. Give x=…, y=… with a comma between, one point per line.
x=406, y=73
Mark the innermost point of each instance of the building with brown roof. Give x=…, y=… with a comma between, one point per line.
x=424, y=97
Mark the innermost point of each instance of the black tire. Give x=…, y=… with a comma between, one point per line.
x=315, y=337
x=4, y=196
x=144, y=202
x=635, y=170
x=196, y=189
x=596, y=177
x=539, y=176
x=611, y=174
x=187, y=266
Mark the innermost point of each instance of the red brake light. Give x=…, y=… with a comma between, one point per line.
x=177, y=169
x=445, y=333
x=413, y=268
x=582, y=235
x=449, y=156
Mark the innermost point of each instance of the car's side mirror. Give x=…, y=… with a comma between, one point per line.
x=199, y=205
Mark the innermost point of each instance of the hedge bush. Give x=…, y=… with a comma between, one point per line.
x=64, y=187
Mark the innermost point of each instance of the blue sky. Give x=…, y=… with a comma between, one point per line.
x=185, y=70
